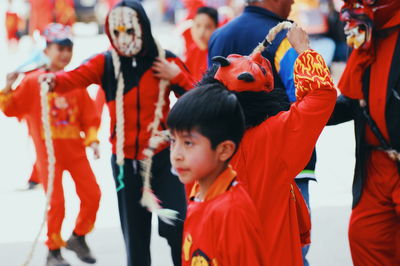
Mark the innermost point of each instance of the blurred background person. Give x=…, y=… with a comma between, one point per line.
x=205, y=22
x=312, y=16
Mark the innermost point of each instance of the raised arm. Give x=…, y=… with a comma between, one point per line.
x=297, y=130
x=18, y=102
x=88, y=73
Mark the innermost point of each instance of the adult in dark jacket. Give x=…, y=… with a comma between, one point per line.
x=242, y=34
x=371, y=97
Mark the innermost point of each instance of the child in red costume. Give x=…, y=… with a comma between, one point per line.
x=44, y=12
x=130, y=73
x=222, y=226
x=13, y=24
x=196, y=35
x=70, y=114
x=277, y=144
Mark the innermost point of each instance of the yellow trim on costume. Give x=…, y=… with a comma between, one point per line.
x=5, y=99
x=56, y=240
x=186, y=247
x=91, y=136
x=280, y=53
x=65, y=132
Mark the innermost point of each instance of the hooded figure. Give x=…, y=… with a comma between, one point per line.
x=370, y=96
x=129, y=76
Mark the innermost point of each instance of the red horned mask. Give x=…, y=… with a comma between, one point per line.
x=362, y=17
x=245, y=73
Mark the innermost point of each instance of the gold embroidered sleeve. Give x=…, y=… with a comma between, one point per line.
x=310, y=73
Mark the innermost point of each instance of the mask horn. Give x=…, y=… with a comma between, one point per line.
x=246, y=76
x=221, y=60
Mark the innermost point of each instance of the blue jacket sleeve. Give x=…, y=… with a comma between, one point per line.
x=284, y=60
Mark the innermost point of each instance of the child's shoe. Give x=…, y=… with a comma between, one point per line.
x=78, y=245
x=54, y=258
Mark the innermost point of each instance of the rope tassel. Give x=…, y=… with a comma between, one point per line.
x=149, y=200
x=44, y=89
x=121, y=178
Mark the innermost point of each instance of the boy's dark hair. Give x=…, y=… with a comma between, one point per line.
x=256, y=106
x=209, y=11
x=212, y=110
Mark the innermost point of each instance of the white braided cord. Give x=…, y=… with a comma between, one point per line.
x=119, y=108
x=44, y=89
x=272, y=34
x=149, y=199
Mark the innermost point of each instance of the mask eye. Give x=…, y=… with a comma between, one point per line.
x=130, y=31
x=116, y=33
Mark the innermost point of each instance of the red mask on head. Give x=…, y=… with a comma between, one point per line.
x=245, y=73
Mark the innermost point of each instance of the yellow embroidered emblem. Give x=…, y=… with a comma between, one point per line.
x=199, y=258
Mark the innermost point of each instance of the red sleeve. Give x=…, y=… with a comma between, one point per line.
x=17, y=103
x=240, y=236
x=89, y=117
x=184, y=79
x=88, y=73
x=296, y=131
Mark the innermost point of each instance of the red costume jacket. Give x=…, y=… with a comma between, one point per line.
x=274, y=152
x=224, y=229
x=71, y=113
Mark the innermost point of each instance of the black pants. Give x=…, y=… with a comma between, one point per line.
x=136, y=220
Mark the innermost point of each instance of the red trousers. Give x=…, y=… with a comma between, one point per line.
x=88, y=192
x=374, y=230
x=34, y=175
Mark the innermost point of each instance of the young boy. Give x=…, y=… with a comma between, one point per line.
x=71, y=114
x=278, y=144
x=222, y=226
x=204, y=23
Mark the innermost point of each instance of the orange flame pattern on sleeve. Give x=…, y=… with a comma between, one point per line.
x=310, y=73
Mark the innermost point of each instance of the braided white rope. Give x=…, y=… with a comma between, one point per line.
x=271, y=35
x=119, y=108
x=44, y=89
x=149, y=200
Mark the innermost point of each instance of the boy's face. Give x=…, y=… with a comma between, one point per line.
x=59, y=55
x=193, y=157
x=203, y=27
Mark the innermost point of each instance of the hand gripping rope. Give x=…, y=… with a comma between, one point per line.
x=44, y=89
